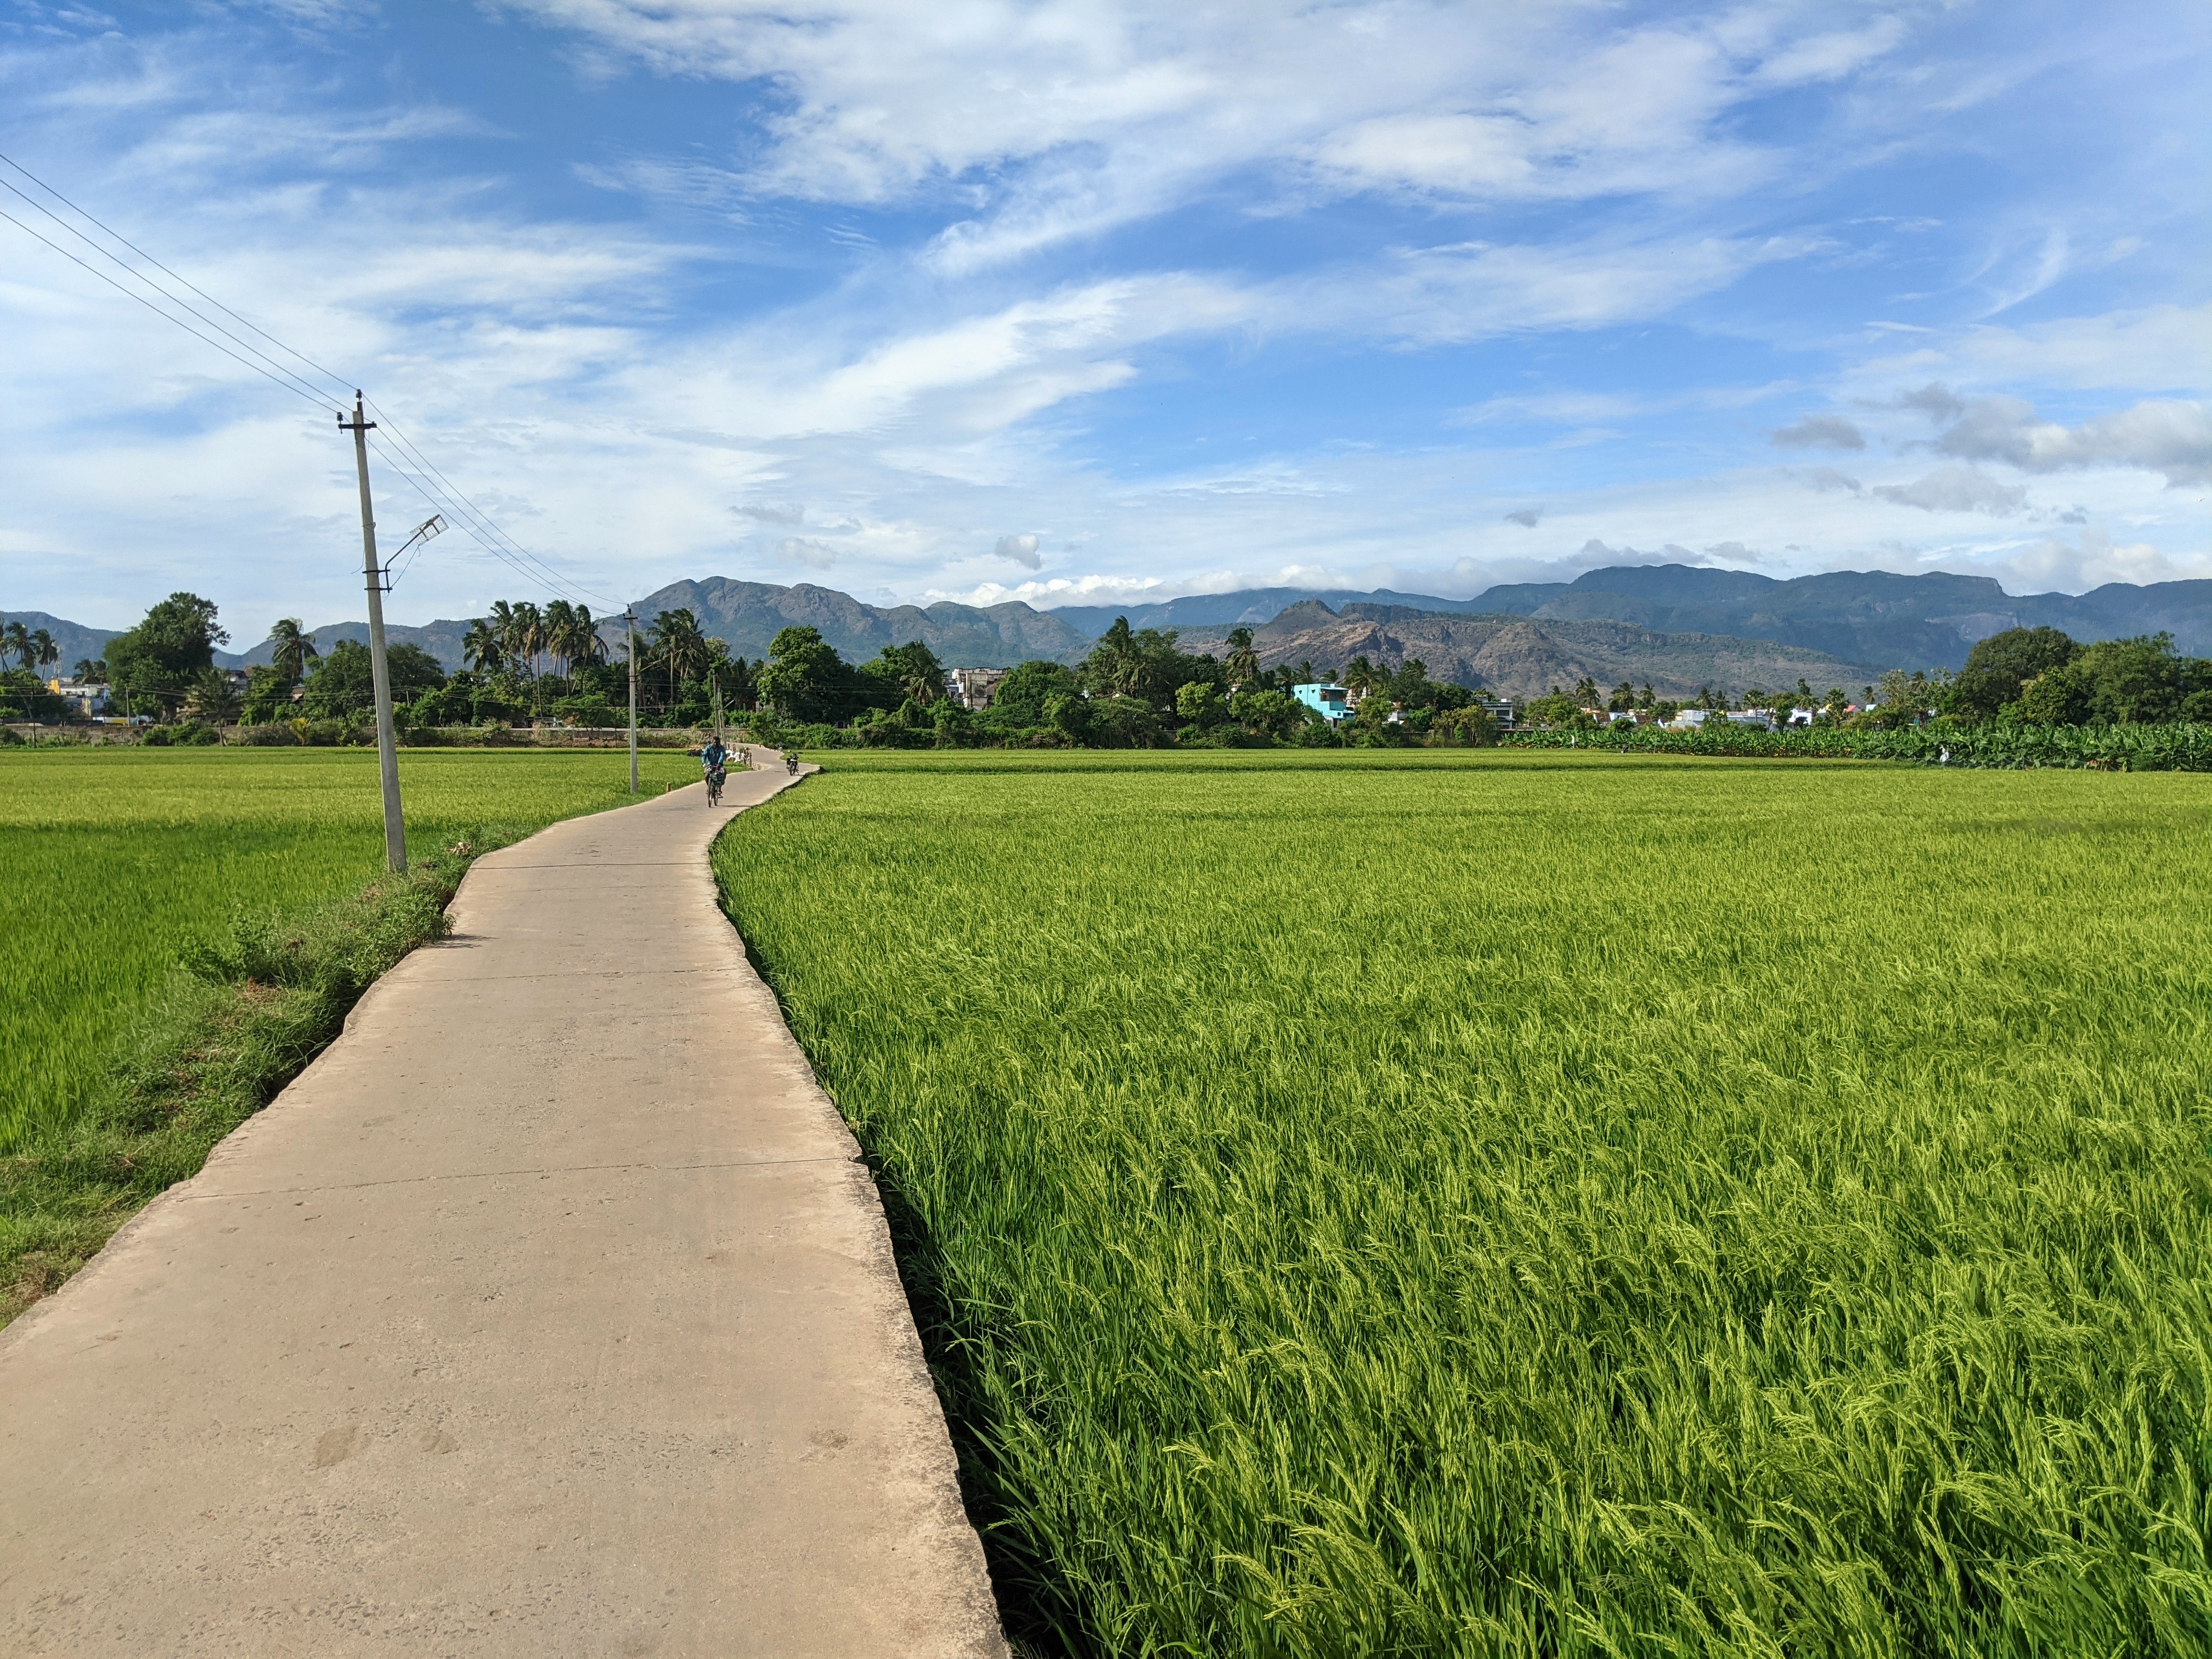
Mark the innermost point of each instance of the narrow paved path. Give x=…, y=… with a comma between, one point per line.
x=549, y=1313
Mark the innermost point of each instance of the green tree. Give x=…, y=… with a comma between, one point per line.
x=16, y=642
x=2138, y=681
x=211, y=698
x=267, y=696
x=1069, y=714
x=295, y=649
x=1267, y=714
x=155, y=661
x=1019, y=702
x=682, y=651
x=913, y=668
x=342, y=684
x=1998, y=666
x=1243, y=662
x=480, y=647
x=804, y=678
x=1199, y=704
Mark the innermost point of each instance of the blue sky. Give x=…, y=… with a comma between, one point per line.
x=979, y=299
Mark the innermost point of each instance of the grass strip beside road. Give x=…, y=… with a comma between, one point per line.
x=187, y=929
x=213, y=1048
x=120, y=862
x=1524, y=1203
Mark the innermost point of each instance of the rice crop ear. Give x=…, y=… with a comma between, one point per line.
x=1543, y=1225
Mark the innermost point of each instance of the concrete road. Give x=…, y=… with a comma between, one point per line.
x=548, y=1313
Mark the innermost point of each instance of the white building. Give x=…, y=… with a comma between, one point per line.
x=973, y=688
x=84, y=696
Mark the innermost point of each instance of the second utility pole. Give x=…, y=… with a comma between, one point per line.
x=387, y=749
x=630, y=629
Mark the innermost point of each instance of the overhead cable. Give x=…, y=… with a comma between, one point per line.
x=443, y=495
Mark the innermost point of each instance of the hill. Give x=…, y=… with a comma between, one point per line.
x=1926, y=621
x=746, y=616
x=1872, y=618
x=1523, y=656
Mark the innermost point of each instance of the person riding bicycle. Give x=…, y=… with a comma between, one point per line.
x=714, y=760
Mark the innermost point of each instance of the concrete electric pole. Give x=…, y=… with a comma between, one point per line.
x=387, y=751
x=629, y=629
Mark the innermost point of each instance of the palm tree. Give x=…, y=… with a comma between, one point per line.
x=44, y=648
x=681, y=646
x=480, y=646
x=503, y=625
x=572, y=635
x=1244, y=663
x=16, y=642
x=529, y=632
x=560, y=625
x=584, y=645
x=295, y=649
x=211, y=698
x=91, y=670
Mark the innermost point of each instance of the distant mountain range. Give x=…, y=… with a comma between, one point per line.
x=1867, y=616
x=1523, y=656
x=1854, y=620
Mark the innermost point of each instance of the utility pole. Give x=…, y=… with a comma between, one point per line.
x=387, y=749
x=630, y=629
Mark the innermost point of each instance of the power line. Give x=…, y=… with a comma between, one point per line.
x=445, y=495
x=265, y=373
x=292, y=378
x=335, y=378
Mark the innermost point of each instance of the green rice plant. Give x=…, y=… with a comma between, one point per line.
x=118, y=862
x=1528, y=1203
x=2177, y=748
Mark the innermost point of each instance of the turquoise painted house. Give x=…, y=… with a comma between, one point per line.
x=1332, y=703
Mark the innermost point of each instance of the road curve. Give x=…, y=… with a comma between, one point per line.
x=549, y=1312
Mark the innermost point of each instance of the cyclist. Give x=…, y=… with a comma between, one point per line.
x=714, y=760
x=791, y=762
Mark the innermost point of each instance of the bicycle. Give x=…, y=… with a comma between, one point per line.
x=791, y=762
x=716, y=778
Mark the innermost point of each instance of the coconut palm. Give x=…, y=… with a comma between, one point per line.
x=43, y=648
x=559, y=626
x=681, y=648
x=480, y=646
x=1244, y=663
x=16, y=642
x=506, y=624
x=212, y=698
x=584, y=644
x=295, y=649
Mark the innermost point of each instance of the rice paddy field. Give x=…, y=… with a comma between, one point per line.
x=114, y=861
x=1477, y=1203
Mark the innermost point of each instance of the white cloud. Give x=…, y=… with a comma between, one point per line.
x=804, y=551
x=1022, y=549
x=2163, y=436
x=2165, y=347
x=1956, y=490
x=2096, y=560
x=1819, y=432
x=1066, y=118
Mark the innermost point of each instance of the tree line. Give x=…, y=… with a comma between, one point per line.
x=1136, y=687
